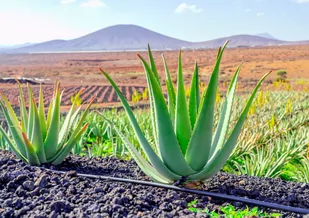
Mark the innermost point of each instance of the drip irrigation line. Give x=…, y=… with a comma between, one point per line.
x=193, y=191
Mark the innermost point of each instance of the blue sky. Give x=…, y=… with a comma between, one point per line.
x=193, y=20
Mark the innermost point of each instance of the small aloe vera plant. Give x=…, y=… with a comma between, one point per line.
x=37, y=138
x=185, y=145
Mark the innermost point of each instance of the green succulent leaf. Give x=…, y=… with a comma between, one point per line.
x=31, y=114
x=13, y=125
x=200, y=144
x=66, y=148
x=39, y=142
x=219, y=159
x=142, y=163
x=153, y=115
x=182, y=123
x=12, y=146
x=36, y=137
x=194, y=100
x=225, y=116
x=69, y=119
x=32, y=158
x=23, y=111
x=151, y=155
x=170, y=91
x=51, y=142
x=42, y=114
x=167, y=140
x=153, y=65
x=183, y=133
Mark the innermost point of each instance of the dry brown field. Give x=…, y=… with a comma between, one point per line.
x=76, y=70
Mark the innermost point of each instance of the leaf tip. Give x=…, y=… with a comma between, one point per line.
x=85, y=126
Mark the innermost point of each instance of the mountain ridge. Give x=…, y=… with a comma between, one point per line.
x=132, y=37
x=266, y=35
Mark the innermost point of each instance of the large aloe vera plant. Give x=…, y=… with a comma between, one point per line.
x=185, y=145
x=37, y=138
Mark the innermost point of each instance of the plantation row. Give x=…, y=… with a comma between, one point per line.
x=102, y=93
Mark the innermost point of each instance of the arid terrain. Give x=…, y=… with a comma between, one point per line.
x=76, y=70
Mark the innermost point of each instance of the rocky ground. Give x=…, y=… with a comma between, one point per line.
x=27, y=191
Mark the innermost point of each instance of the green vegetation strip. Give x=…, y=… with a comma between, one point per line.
x=230, y=211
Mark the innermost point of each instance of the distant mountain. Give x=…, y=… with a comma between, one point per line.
x=238, y=41
x=119, y=37
x=41, y=47
x=132, y=37
x=266, y=35
x=5, y=47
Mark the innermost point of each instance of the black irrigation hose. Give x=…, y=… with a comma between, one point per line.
x=193, y=191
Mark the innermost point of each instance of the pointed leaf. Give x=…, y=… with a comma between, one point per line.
x=49, y=113
x=37, y=139
x=151, y=155
x=219, y=159
x=42, y=114
x=67, y=124
x=13, y=147
x=200, y=144
x=166, y=137
x=153, y=65
x=23, y=111
x=81, y=121
x=225, y=115
x=153, y=115
x=170, y=91
x=31, y=114
x=51, y=142
x=10, y=110
x=142, y=163
x=13, y=124
x=182, y=123
x=194, y=100
x=66, y=149
x=171, y=103
x=32, y=158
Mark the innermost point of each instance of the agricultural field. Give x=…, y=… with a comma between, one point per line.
x=80, y=70
x=281, y=129
x=272, y=148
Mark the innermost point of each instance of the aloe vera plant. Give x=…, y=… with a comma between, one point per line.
x=185, y=145
x=39, y=138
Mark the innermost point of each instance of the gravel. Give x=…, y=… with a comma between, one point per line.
x=27, y=191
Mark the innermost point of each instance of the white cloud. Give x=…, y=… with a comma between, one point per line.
x=260, y=14
x=248, y=10
x=93, y=4
x=67, y=1
x=187, y=7
x=302, y=1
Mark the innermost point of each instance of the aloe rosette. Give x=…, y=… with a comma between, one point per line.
x=39, y=138
x=185, y=145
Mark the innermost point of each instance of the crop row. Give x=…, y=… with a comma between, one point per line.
x=102, y=93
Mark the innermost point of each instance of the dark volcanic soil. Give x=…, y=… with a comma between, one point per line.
x=27, y=191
